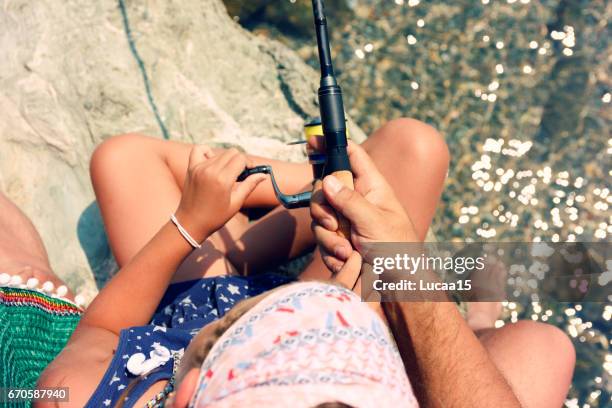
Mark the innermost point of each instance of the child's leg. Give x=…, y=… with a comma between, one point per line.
x=138, y=182
x=409, y=153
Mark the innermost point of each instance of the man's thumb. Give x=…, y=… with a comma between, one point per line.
x=348, y=202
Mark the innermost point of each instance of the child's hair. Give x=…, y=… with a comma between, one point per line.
x=225, y=323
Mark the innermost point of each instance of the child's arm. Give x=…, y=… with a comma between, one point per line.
x=131, y=297
x=211, y=196
x=128, y=300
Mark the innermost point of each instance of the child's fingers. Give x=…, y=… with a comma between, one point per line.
x=250, y=163
x=234, y=166
x=317, y=143
x=350, y=272
x=220, y=161
x=199, y=154
x=243, y=189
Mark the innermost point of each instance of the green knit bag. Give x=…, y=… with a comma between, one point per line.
x=34, y=328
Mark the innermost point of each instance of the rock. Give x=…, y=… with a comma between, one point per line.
x=74, y=73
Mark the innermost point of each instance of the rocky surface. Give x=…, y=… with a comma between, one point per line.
x=74, y=73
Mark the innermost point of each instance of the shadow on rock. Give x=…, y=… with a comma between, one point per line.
x=93, y=240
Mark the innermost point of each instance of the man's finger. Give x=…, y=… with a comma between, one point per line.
x=349, y=274
x=348, y=202
x=317, y=143
x=332, y=243
x=321, y=212
x=325, y=216
x=331, y=262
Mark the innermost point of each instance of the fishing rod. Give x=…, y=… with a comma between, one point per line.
x=333, y=122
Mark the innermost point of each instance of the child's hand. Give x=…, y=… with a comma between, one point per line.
x=211, y=195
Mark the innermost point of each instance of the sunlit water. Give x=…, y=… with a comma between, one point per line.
x=521, y=91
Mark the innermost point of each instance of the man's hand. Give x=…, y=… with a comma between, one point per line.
x=211, y=195
x=372, y=208
x=441, y=354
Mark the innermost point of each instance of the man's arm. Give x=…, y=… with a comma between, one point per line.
x=447, y=365
x=444, y=360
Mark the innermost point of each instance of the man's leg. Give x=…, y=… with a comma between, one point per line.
x=22, y=252
x=536, y=359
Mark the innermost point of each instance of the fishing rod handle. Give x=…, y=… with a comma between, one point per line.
x=344, y=225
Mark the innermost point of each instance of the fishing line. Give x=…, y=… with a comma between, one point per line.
x=143, y=70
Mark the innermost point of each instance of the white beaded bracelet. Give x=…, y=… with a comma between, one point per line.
x=184, y=233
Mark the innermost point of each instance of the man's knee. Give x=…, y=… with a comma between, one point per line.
x=415, y=140
x=547, y=340
x=550, y=335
